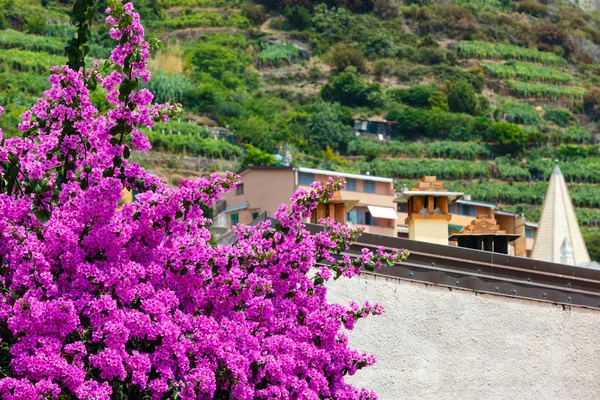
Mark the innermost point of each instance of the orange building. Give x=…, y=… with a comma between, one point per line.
x=367, y=200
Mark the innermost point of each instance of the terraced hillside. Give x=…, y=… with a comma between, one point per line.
x=485, y=94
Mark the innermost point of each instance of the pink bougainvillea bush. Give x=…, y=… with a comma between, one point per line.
x=101, y=302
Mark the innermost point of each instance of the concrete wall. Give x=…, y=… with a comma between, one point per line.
x=437, y=343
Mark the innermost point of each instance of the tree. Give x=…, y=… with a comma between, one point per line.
x=255, y=156
x=352, y=90
x=102, y=302
x=509, y=138
x=324, y=127
x=461, y=97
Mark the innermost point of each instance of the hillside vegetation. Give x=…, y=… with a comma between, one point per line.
x=486, y=94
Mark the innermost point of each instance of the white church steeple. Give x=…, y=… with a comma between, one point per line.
x=558, y=227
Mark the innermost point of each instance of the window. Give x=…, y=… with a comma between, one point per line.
x=235, y=219
x=452, y=208
x=254, y=215
x=352, y=216
x=360, y=217
x=402, y=207
x=369, y=220
x=368, y=187
x=464, y=209
x=239, y=190
x=372, y=127
x=351, y=184
x=529, y=233
x=305, y=179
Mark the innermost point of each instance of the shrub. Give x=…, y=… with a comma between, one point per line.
x=350, y=89
x=276, y=53
x=415, y=96
x=560, y=117
x=323, y=126
x=255, y=156
x=170, y=88
x=254, y=12
x=533, y=8
x=508, y=138
x=461, y=98
x=575, y=134
x=332, y=23
x=298, y=17
x=592, y=242
x=517, y=113
x=418, y=123
x=344, y=56
x=35, y=24
x=387, y=8
x=102, y=300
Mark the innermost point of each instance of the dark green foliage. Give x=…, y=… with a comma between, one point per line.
x=461, y=97
x=255, y=13
x=298, y=17
x=220, y=63
x=444, y=73
x=592, y=242
x=517, y=113
x=416, y=123
x=170, y=88
x=445, y=149
x=591, y=103
x=509, y=138
x=35, y=24
x=255, y=156
x=344, y=56
x=575, y=134
x=350, y=89
x=193, y=145
x=415, y=96
x=418, y=168
x=560, y=117
x=331, y=23
x=325, y=127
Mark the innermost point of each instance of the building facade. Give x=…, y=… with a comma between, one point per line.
x=368, y=199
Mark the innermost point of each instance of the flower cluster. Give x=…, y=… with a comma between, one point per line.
x=100, y=301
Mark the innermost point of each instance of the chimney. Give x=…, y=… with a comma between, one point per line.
x=428, y=213
x=484, y=234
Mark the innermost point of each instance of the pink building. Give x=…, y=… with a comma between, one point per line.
x=368, y=199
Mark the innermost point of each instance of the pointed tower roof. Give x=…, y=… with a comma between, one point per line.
x=558, y=225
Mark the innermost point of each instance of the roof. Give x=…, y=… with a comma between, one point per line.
x=377, y=118
x=558, y=223
x=426, y=187
x=404, y=196
x=316, y=172
x=263, y=167
x=484, y=226
x=502, y=212
x=477, y=203
x=344, y=175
